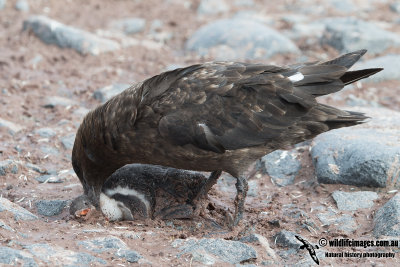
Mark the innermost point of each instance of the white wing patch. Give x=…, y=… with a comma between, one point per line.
x=296, y=77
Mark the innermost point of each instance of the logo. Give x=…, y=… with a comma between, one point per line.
x=311, y=249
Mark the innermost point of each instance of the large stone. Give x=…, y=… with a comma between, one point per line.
x=8, y=166
x=13, y=257
x=354, y=200
x=214, y=251
x=235, y=39
x=343, y=222
x=306, y=31
x=353, y=101
x=281, y=165
x=54, y=255
x=35, y=168
x=390, y=63
x=212, y=7
x=395, y=7
x=105, y=93
x=287, y=239
x=111, y=244
x=68, y=141
x=22, y=5
x=49, y=150
x=12, y=127
x=50, y=207
x=2, y=4
x=387, y=218
x=360, y=157
x=342, y=6
x=5, y=226
x=18, y=212
x=129, y=25
x=350, y=34
x=54, y=32
x=244, y=3
x=45, y=132
x=251, y=15
x=49, y=178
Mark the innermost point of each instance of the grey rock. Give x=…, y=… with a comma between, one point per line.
x=19, y=212
x=129, y=25
x=387, y=218
x=162, y=37
x=342, y=6
x=343, y=222
x=255, y=16
x=156, y=25
x=295, y=18
x=35, y=167
x=288, y=254
x=244, y=3
x=103, y=244
x=235, y=39
x=252, y=238
x=54, y=32
x=50, y=207
x=53, y=101
x=253, y=188
x=264, y=243
x=22, y=5
x=350, y=34
x=306, y=30
x=2, y=4
x=63, y=122
x=354, y=200
x=292, y=211
x=306, y=260
x=212, y=7
x=105, y=93
x=68, y=141
x=390, y=63
x=16, y=257
x=81, y=112
x=59, y=254
x=49, y=150
x=173, y=67
x=129, y=255
x=211, y=251
x=49, y=178
x=281, y=166
x=12, y=127
x=45, y=132
x=226, y=183
x=111, y=244
x=353, y=101
x=306, y=7
x=360, y=157
x=5, y=226
x=395, y=7
x=287, y=239
x=7, y=166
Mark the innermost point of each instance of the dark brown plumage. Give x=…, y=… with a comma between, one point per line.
x=218, y=116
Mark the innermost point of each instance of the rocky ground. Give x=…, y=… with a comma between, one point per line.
x=59, y=59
